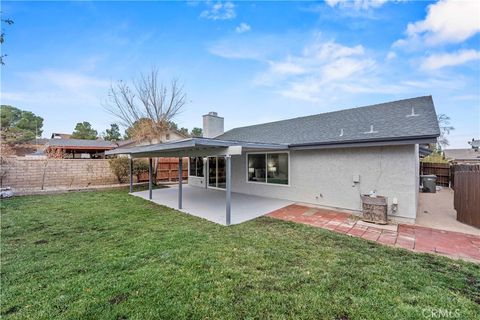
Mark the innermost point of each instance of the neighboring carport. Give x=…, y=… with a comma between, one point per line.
x=195, y=147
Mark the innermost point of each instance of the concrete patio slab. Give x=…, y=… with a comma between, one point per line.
x=435, y=210
x=210, y=204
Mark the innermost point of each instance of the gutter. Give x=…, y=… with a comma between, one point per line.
x=365, y=142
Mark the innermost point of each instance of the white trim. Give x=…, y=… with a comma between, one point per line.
x=266, y=173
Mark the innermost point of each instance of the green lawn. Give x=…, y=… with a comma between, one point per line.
x=108, y=255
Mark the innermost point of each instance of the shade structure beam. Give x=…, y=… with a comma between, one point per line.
x=150, y=178
x=180, y=183
x=228, y=189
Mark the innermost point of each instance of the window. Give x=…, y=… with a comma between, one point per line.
x=196, y=167
x=256, y=167
x=268, y=168
x=277, y=168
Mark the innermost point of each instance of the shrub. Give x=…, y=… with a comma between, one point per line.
x=55, y=153
x=140, y=166
x=435, y=158
x=120, y=168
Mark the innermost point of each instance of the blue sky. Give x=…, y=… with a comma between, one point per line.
x=251, y=62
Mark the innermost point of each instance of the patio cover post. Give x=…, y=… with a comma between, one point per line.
x=150, y=174
x=228, y=191
x=130, y=171
x=180, y=178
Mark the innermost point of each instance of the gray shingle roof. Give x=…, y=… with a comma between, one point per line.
x=81, y=143
x=462, y=154
x=396, y=120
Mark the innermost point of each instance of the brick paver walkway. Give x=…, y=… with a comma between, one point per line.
x=411, y=237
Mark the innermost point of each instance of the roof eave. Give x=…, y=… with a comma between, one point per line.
x=366, y=142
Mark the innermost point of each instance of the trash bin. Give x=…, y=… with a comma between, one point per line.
x=429, y=183
x=374, y=209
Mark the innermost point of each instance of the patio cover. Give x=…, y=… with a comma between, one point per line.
x=194, y=147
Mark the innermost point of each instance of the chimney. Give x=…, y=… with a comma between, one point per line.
x=212, y=125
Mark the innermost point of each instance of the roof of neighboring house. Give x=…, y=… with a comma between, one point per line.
x=180, y=133
x=39, y=141
x=413, y=118
x=81, y=144
x=462, y=154
x=61, y=135
x=127, y=142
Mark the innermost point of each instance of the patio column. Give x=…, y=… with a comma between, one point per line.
x=205, y=171
x=228, y=189
x=130, y=171
x=180, y=178
x=150, y=174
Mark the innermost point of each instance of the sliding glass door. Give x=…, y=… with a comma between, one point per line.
x=216, y=172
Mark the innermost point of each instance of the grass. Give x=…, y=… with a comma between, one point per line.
x=108, y=255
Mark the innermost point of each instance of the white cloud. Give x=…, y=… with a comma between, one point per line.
x=438, y=61
x=243, y=27
x=252, y=46
x=325, y=71
x=356, y=4
x=286, y=68
x=466, y=97
x=219, y=11
x=59, y=86
x=321, y=68
x=447, y=21
x=321, y=71
x=60, y=96
x=391, y=55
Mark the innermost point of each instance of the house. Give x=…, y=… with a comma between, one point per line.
x=79, y=148
x=328, y=159
x=462, y=156
x=28, y=148
x=56, y=135
x=170, y=135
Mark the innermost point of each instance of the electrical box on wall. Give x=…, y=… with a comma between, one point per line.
x=356, y=178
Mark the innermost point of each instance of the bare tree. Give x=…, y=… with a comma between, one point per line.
x=2, y=35
x=445, y=128
x=148, y=107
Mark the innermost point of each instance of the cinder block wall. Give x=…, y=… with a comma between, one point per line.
x=24, y=174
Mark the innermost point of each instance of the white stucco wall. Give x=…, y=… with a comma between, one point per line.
x=417, y=173
x=325, y=177
x=196, y=181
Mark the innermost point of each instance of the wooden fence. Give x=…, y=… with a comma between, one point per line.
x=441, y=170
x=467, y=196
x=167, y=170
x=461, y=167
